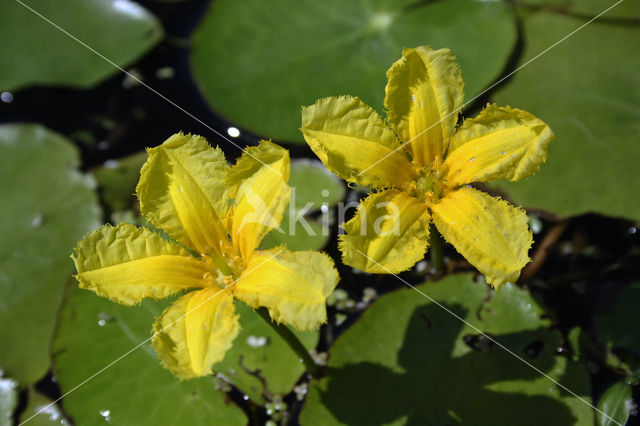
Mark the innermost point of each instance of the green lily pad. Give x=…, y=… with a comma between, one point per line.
x=117, y=180
x=34, y=52
x=618, y=325
x=591, y=102
x=615, y=404
x=617, y=13
x=41, y=412
x=260, y=363
x=314, y=192
x=8, y=400
x=47, y=206
x=135, y=389
x=313, y=185
x=258, y=62
x=408, y=361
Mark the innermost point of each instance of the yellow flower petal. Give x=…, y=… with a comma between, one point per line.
x=182, y=191
x=425, y=91
x=195, y=332
x=350, y=137
x=294, y=286
x=127, y=264
x=390, y=228
x=500, y=143
x=258, y=185
x=490, y=233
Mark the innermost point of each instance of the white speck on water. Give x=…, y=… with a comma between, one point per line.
x=103, y=145
x=54, y=414
x=111, y=164
x=130, y=8
x=256, y=341
x=101, y=323
x=631, y=407
x=7, y=384
x=300, y=391
x=106, y=415
x=37, y=220
x=6, y=97
x=165, y=73
x=233, y=132
x=132, y=79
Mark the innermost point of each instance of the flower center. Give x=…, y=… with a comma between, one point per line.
x=222, y=269
x=428, y=186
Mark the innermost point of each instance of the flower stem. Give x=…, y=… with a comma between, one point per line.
x=437, y=261
x=293, y=342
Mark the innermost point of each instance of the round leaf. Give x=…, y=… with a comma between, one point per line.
x=590, y=100
x=47, y=207
x=408, y=361
x=313, y=185
x=93, y=333
x=34, y=52
x=117, y=180
x=259, y=62
x=615, y=405
x=260, y=363
x=622, y=12
x=314, y=189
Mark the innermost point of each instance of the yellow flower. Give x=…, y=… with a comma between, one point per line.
x=423, y=167
x=220, y=213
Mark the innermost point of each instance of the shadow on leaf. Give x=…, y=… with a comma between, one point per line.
x=442, y=382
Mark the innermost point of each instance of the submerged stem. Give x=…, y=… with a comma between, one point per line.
x=437, y=261
x=292, y=341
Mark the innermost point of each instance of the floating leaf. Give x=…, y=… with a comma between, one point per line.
x=314, y=185
x=409, y=361
x=47, y=207
x=34, y=52
x=258, y=62
x=617, y=13
x=591, y=102
x=614, y=405
x=314, y=191
x=96, y=334
x=117, y=180
x=260, y=363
